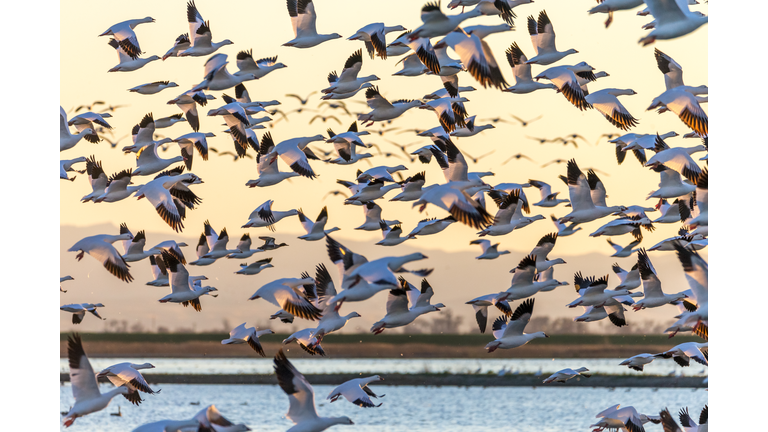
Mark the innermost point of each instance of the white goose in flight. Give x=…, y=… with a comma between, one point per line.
x=509, y=331
x=85, y=389
x=182, y=285
x=201, y=42
x=303, y=20
x=100, y=247
x=128, y=375
x=302, y=398
x=67, y=140
x=242, y=334
x=315, y=231
x=543, y=39
x=356, y=391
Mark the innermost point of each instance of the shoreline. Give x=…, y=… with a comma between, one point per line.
x=436, y=380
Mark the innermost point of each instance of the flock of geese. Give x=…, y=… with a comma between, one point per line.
x=169, y=185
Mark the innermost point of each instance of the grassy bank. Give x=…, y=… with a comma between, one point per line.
x=369, y=346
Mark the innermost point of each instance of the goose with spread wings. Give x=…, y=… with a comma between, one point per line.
x=302, y=409
x=303, y=20
x=201, y=42
x=509, y=331
x=183, y=289
x=543, y=38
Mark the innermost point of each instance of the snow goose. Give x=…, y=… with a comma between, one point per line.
x=267, y=168
x=159, y=272
x=370, y=191
x=117, y=187
x=153, y=87
x=480, y=305
x=391, y=235
x=673, y=72
x=65, y=166
x=677, y=159
x=347, y=262
x=236, y=117
x=654, y=296
x=596, y=313
x=169, y=121
x=307, y=341
x=348, y=81
x=171, y=196
x=431, y=226
x=548, y=199
x=697, y=274
x=509, y=215
x=456, y=201
x=187, y=102
x=672, y=20
x=581, y=196
x=209, y=418
x=135, y=249
x=269, y=244
x=264, y=216
x=470, y=128
x=625, y=418
x=149, y=162
x=373, y=218
x=374, y=36
x=216, y=76
x=625, y=225
x=543, y=39
x=412, y=186
x=284, y=294
x=638, y=361
x=88, y=398
x=249, y=335
x=509, y=331
x=201, y=250
x=608, y=104
x=624, y=251
x=182, y=290
x=303, y=19
x=64, y=279
x=125, y=36
x=336, y=96
x=78, y=311
x=382, y=109
x=316, y=230
x=100, y=247
x=293, y=152
x=191, y=142
x=682, y=101
x=566, y=374
x=592, y=292
x=258, y=68
x=66, y=139
x=89, y=120
x=523, y=284
x=243, y=249
x=562, y=229
x=326, y=291
x=689, y=425
x=671, y=185
x=356, y=391
x=181, y=43
x=685, y=352
x=436, y=23
x=201, y=40
x=398, y=311
x=217, y=243
x=255, y=267
x=412, y=66
x=610, y=6
x=567, y=83
x=128, y=375
x=128, y=63
x=476, y=56
x=489, y=251
x=380, y=273
x=445, y=109
x=542, y=250
x=302, y=399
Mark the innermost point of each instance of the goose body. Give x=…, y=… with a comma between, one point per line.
x=182, y=286
x=255, y=267
x=673, y=19
x=128, y=375
x=247, y=335
x=566, y=374
x=282, y=293
x=201, y=42
x=315, y=231
x=356, y=391
x=100, y=247
x=303, y=19
x=654, y=296
x=543, y=38
x=67, y=139
x=398, y=311
x=264, y=216
x=638, y=361
x=373, y=218
x=509, y=334
x=78, y=311
x=258, y=68
x=489, y=251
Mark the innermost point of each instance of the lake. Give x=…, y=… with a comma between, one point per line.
x=405, y=408
x=368, y=366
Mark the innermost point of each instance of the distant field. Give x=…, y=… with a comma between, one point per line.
x=370, y=346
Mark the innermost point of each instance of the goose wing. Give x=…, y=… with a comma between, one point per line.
x=84, y=385
x=519, y=319
x=299, y=390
